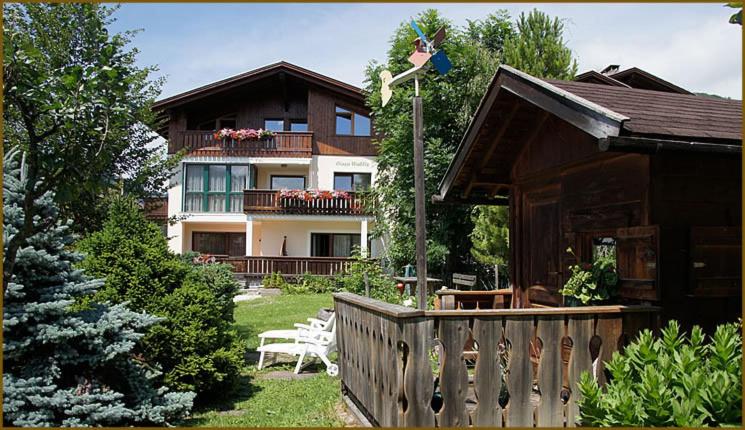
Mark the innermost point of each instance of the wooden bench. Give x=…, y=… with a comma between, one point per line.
x=460, y=279
x=464, y=300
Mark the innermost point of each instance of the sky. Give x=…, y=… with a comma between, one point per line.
x=691, y=45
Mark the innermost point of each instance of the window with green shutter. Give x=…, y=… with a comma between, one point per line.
x=215, y=187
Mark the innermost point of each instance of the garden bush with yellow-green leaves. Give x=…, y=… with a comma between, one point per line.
x=674, y=380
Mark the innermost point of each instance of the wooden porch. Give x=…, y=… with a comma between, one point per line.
x=283, y=144
x=260, y=266
x=271, y=202
x=403, y=367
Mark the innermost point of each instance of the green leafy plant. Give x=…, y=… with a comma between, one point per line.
x=382, y=286
x=194, y=344
x=317, y=284
x=591, y=283
x=274, y=280
x=672, y=380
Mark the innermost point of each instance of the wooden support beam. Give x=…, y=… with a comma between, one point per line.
x=490, y=150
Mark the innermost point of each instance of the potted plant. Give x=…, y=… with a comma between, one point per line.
x=591, y=283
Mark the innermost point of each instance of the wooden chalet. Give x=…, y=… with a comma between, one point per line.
x=623, y=160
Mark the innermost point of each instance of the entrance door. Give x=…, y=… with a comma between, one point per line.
x=541, y=269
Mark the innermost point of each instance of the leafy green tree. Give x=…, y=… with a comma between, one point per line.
x=736, y=18
x=78, y=106
x=194, y=344
x=491, y=237
x=673, y=380
x=65, y=365
x=448, y=102
x=492, y=31
x=538, y=47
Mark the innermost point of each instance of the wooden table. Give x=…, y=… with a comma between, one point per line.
x=447, y=299
x=409, y=280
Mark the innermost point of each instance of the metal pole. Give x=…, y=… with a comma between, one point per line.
x=421, y=232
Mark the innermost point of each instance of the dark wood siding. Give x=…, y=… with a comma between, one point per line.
x=322, y=120
x=276, y=97
x=696, y=200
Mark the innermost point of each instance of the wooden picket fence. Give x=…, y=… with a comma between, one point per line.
x=403, y=367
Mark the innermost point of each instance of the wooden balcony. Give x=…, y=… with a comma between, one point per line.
x=283, y=144
x=271, y=202
x=385, y=362
x=259, y=266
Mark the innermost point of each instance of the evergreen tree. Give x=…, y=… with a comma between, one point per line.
x=67, y=363
x=195, y=344
x=538, y=47
x=491, y=237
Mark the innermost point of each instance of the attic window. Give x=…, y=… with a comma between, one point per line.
x=350, y=123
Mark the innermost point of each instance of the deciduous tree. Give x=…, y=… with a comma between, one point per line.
x=78, y=106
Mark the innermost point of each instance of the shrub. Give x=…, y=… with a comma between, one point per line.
x=317, y=284
x=382, y=286
x=194, y=345
x=275, y=280
x=674, y=380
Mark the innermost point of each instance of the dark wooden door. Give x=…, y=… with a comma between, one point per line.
x=541, y=269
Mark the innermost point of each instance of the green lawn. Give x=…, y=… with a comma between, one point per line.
x=262, y=402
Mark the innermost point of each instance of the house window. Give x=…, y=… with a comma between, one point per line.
x=232, y=244
x=350, y=123
x=274, y=124
x=351, y=181
x=298, y=125
x=333, y=244
x=227, y=121
x=288, y=182
x=215, y=187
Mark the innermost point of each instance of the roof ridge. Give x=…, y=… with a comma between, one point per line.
x=692, y=96
x=253, y=72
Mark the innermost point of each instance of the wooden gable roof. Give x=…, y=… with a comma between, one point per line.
x=664, y=114
x=254, y=75
x=517, y=106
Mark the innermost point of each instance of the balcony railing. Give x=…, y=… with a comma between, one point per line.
x=287, y=266
x=283, y=144
x=271, y=202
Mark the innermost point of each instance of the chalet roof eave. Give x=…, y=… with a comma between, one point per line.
x=651, y=77
x=252, y=75
x=601, y=77
x=602, y=122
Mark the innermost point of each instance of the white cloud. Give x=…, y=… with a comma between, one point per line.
x=688, y=44
x=702, y=58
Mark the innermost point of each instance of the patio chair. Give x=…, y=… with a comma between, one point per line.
x=319, y=344
x=316, y=325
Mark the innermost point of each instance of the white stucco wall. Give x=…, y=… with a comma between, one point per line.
x=267, y=234
x=323, y=167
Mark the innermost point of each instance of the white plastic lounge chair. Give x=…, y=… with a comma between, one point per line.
x=319, y=345
x=314, y=326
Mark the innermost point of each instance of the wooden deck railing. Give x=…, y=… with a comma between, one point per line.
x=288, y=266
x=387, y=354
x=283, y=144
x=270, y=201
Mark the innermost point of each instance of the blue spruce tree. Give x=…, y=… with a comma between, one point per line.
x=67, y=361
